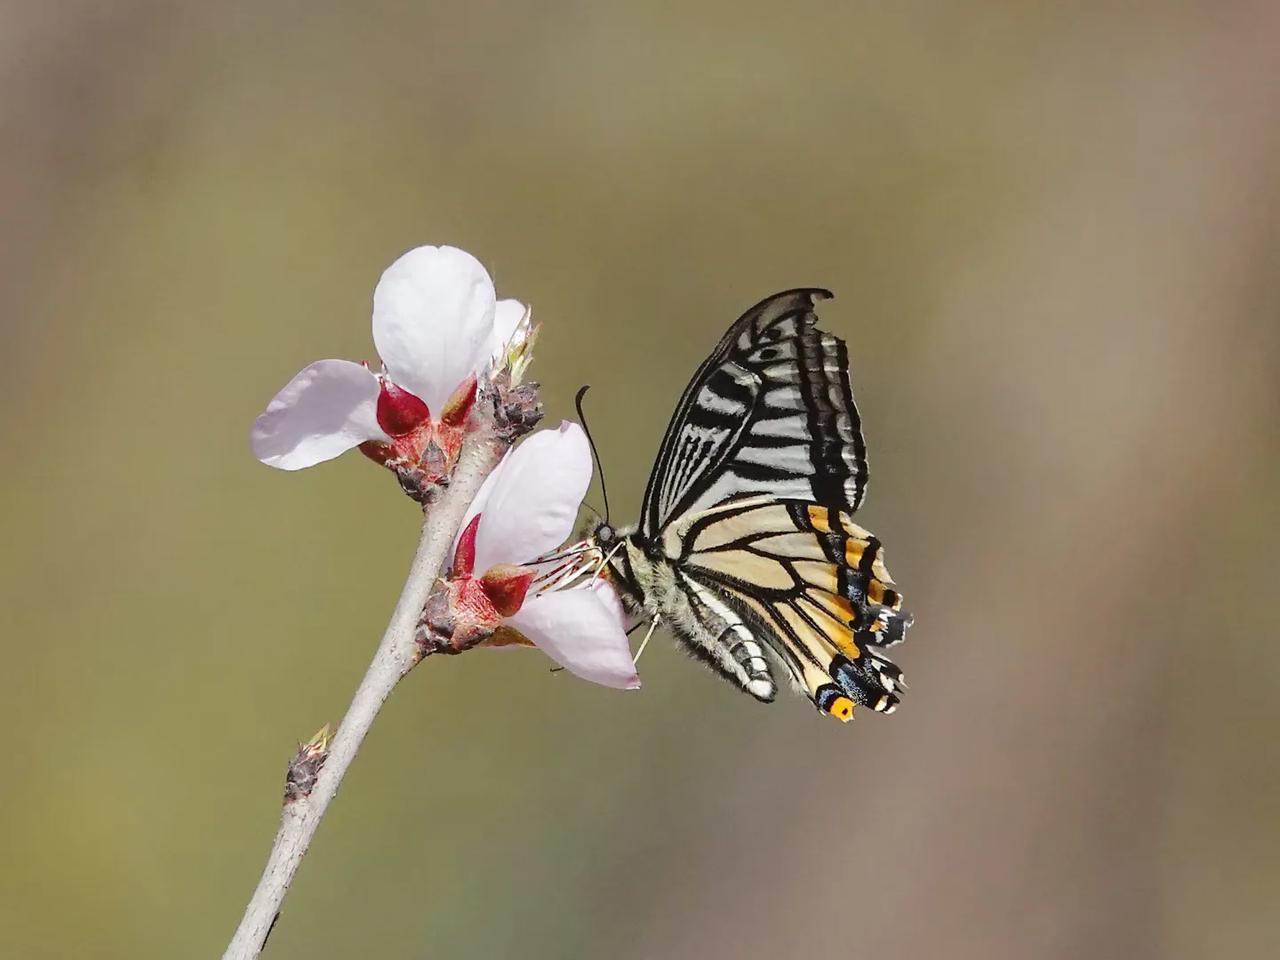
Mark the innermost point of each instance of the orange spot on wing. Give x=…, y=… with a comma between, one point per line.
x=818, y=517
x=842, y=709
x=853, y=552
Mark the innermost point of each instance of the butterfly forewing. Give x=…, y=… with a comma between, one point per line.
x=770, y=411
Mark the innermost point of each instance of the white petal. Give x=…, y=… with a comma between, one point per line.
x=506, y=317
x=328, y=408
x=533, y=504
x=433, y=321
x=582, y=630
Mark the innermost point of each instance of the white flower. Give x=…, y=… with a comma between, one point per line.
x=437, y=326
x=527, y=508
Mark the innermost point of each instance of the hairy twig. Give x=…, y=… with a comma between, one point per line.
x=316, y=773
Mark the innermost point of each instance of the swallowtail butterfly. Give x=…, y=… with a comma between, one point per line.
x=746, y=546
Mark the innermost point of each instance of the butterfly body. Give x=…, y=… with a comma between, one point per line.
x=654, y=586
x=746, y=548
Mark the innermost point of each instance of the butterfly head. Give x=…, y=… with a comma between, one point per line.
x=622, y=561
x=605, y=535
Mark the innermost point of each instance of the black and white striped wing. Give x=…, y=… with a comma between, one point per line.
x=770, y=411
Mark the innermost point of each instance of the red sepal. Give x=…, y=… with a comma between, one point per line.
x=464, y=557
x=399, y=411
x=460, y=402
x=506, y=585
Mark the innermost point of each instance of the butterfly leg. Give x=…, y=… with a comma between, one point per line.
x=653, y=625
x=725, y=642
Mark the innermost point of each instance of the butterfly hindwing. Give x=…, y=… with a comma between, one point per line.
x=770, y=411
x=814, y=587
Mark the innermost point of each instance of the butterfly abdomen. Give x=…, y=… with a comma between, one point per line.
x=707, y=624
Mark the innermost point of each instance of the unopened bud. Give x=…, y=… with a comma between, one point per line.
x=305, y=766
x=517, y=354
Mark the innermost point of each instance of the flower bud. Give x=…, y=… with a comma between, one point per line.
x=517, y=353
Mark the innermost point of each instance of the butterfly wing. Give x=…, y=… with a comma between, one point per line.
x=750, y=503
x=770, y=411
x=814, y=587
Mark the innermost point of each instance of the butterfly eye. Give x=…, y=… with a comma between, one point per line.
x=604, y=533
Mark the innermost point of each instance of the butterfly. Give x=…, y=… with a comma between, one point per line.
x=746, y=546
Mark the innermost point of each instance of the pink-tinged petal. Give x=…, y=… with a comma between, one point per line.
x=327, y=409
x=534, y=503
x=433, y=321
x=582, y=630
x=506, y=317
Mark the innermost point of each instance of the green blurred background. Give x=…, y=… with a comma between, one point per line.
x=1052, y=232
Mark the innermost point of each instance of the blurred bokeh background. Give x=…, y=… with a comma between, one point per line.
x=1052, y=233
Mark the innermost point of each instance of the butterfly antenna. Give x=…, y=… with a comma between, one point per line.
x=595, y=454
